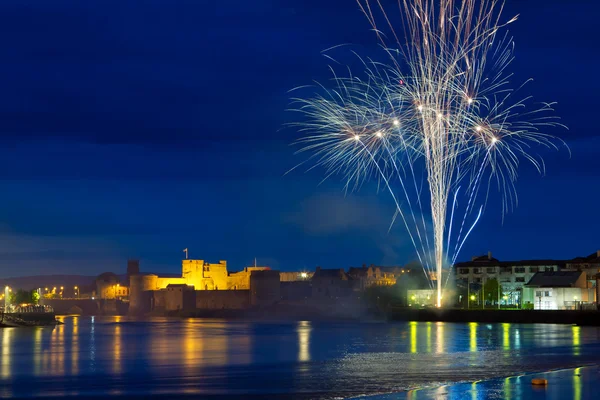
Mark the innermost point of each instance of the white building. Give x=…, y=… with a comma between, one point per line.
x=561, y=290
x=512, y=275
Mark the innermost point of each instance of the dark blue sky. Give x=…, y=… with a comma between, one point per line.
x=136, y=129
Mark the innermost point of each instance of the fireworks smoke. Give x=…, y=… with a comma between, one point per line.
x=437, y=125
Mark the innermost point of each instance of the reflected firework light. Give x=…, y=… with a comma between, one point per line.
x=463, y=127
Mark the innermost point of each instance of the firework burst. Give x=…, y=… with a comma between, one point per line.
x=437, y=125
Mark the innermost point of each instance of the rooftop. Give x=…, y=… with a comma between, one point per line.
x=554, y=279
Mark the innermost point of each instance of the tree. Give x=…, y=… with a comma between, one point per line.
x=492, y=290
x=24, y=296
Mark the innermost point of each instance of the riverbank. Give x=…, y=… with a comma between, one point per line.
x=583, y=318
x=574, y=383
x=13, y=320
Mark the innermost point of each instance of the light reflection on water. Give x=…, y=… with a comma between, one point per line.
x=196, y=356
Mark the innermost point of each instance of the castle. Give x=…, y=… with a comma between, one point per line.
x=149, y=291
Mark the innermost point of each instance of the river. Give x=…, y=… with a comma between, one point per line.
x=126, y=357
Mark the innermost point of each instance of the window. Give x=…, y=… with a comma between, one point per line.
x=464, y=271
x=477, y=280
x=519, y=279
x=491, y=270
x=519, y=270
x=476, y=270
x=549, y=269
x=547, y=293
x=506, y=270
x=533, y=269
x=538, y=293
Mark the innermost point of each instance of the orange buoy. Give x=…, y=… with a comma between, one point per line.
x=539, y=382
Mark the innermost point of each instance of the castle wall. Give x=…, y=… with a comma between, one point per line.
x=265, y=287
x=295, y=290
x=222, y=299
x=159, y=300
x=162, y=283
x=180, y=298
x=241, y=280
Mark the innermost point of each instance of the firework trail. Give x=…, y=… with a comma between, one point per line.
x=437, y=125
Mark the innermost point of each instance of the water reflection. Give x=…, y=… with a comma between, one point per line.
x=75, y=346
x=117, y=346
x=37, y=352
x=413, y=336
x=439, y=348
x=506, y=337
x=577, y=384
x=303, y=341
x=576, y=339
x=6, y=349
x=232, y=357
x=429, y=337
x=473, y=336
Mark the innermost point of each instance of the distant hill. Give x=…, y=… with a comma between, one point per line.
x=48, y=281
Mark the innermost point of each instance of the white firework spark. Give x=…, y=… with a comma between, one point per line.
x=437, y=125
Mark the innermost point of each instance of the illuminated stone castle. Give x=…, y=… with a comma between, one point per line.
x=196, y=275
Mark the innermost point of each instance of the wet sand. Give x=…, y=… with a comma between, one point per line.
x=577, y=383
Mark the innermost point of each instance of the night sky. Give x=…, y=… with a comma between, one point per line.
x=136, y=129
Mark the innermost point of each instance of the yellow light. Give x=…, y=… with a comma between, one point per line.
x=396, y=122
x=420, y=108
x=356, y=137
x=61, y=288
x=478, y=128
x=303, y=275
x=575, y=297
x=413, y=297
x=472, y=297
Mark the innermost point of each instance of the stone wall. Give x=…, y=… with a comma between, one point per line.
x=222, y=299
x=265, y=288
x=180, y=298
x=295, y=291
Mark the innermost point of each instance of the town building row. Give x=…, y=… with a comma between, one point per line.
x=537, y=284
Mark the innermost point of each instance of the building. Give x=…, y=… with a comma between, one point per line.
x=151, y=291
x=512, y=275
x=295, y=276
x=558, y=290
x=590, y=265
x=179, y=297
x=422, y=297
x=109, y=286
x=365, y=277
x=331, y=284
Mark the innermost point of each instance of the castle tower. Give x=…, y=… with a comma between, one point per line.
x=133, y=268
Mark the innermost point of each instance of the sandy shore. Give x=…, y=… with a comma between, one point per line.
x=577, y=383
